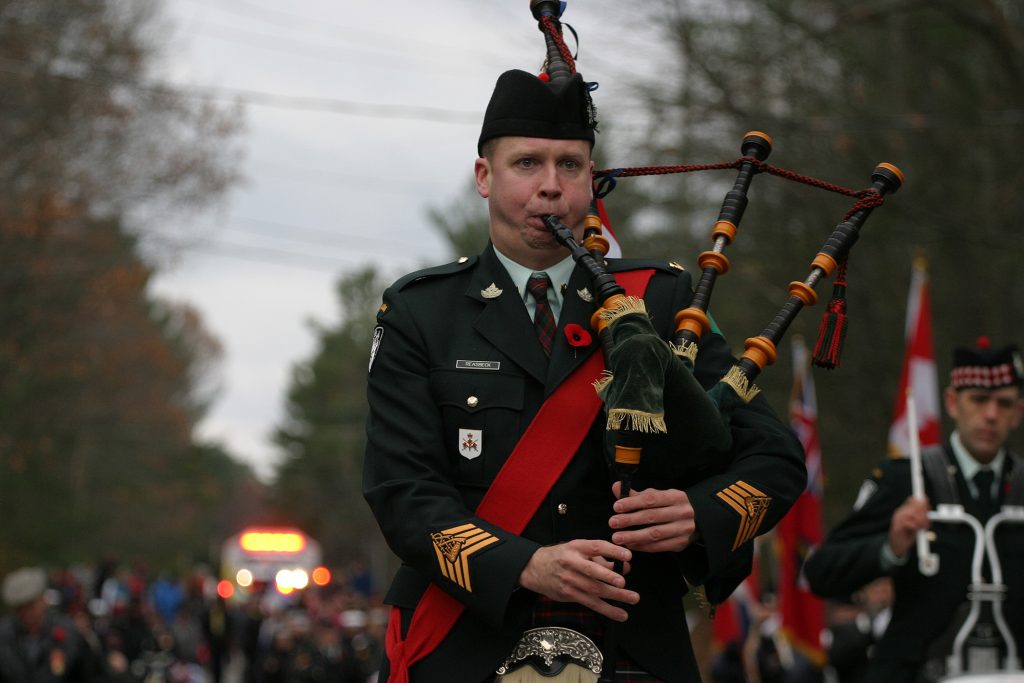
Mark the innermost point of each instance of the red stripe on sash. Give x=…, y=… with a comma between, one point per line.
x=533, y=467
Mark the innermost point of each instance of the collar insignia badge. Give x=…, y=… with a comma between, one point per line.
x=585, y=294
x=491, y=292
x=378, y=336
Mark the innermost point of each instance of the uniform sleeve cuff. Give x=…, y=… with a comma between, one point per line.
x=889, y=560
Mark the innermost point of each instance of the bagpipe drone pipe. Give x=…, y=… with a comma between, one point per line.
x=664, y=428
x=656, y=408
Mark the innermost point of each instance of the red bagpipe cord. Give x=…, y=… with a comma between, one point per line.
x=828, y=351
x=832, y=334
x=533, y=467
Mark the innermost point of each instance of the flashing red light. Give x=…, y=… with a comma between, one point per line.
x=272, y=541
x=225, y=589
x=321, y=576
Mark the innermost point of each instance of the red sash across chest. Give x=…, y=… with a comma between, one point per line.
x=533, y=467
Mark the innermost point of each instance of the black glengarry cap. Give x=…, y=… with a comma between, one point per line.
x=525, y=105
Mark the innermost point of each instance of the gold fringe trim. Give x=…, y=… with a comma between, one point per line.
x=627, y=306
x=687, y=349
x=602, y=382
x=637, y=420
x=741, y=385
x=701, y=597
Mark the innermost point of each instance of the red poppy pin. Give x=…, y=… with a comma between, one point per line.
x=576, y=335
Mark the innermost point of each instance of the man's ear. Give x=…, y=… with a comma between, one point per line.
x=1019, y=415
x=949, y=398
x=482, y=170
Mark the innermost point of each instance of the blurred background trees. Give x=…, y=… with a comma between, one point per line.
x=933, y=87
x=319, y=480
x=101, y=384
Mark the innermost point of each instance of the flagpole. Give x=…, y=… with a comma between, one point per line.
x=927, y=561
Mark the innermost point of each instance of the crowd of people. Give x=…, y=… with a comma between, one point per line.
x=119, y=624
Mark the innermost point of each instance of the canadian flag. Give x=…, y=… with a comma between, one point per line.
x=919, y=375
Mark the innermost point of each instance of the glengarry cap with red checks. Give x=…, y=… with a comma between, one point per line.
x=987, y=367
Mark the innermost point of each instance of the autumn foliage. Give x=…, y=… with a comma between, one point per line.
x=101, y=383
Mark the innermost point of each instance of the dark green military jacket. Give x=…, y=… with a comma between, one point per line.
x=927, y=610
x=451, y=364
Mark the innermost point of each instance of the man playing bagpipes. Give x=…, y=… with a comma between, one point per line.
x=487, y=466
x=973, y=468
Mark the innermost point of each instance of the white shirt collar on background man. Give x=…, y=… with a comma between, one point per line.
x=559, y=274
x=969, y=466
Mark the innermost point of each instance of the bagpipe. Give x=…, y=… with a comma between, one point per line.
x=662, y=424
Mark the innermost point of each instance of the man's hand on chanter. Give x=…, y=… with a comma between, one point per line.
x=581, y=571
x=653, y=520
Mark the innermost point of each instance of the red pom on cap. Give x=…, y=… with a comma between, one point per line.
x=983, y=342
x=544, y=77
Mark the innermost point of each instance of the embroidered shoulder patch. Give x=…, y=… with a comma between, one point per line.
x=455, y=546
x=750, y=504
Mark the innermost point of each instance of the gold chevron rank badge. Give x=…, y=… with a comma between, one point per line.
x=750, y=504
x=455, y=546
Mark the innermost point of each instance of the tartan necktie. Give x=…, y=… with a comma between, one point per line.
x=543, y=318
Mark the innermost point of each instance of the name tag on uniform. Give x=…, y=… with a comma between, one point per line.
x=471, y=443
x=477, y=365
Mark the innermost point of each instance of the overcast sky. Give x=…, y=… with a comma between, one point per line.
x=358, y=116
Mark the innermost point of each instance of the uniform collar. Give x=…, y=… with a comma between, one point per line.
x=504, y=320
x=969, y=466
x=559, y=274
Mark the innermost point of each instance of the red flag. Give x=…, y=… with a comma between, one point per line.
x=726, y=626
x=732, y=617
x=919, y=374
x=802, y=613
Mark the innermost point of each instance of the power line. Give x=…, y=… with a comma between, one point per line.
x=271, y=256
x=358, y=35
x=360, y=57
x=337, y=106
x=331, y=105
x=328, y=178
x=318, y=236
